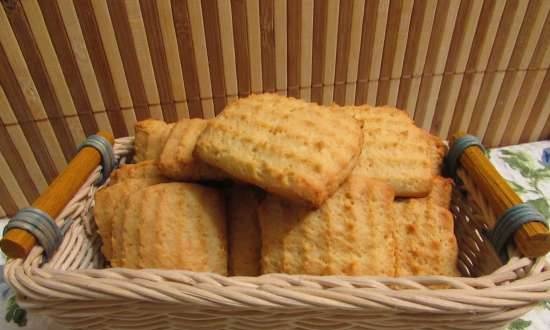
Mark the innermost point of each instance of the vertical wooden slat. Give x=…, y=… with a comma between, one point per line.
x=201, y=56
x=343, y=50
x=103, y=122
x=144, y=57
x=242, y=55
x=355, y=46
x=280, y=21
x=477, y=62
x=187, y=56
x=306, y=42
x=6, y=201
x=38, y=71
x=14, y=161
x=532, y=83
x=130, y=62
x=23, y=147
x=379, y=38
x=320, y=11
x=415, y=28
x=99, y=59
x=498, y=61
x=17, y=100
x=294, y=36
x=228, y=48
x=267, y=30
x=399, y=57
x=215, y=53
x=151, y=21
x=523, y=105
x=504, y=105
x=53, y=68
x=535, y=22
x=390, y=43
x=7, y=117
x=415, y=55
x=171, y=47
x=77, y=46
x=7, y=176
x=522, y=57
x=438, y=50
x=330, y=51
x=540, y=113
x=106, y=29
x=67, y=60
x=254, y=45
x=366, y=52
x=461, y=44
x=182, y=110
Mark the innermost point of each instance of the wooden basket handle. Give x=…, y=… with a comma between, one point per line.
x=17, y=243
x=533, y=238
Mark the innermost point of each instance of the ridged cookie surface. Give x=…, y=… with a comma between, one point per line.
x=182, y=227
x=396, y=151
x=148, y=169
x=350, y=234
x=109, y=204
x=177, y=161
x=150, y=137
x=424, y=233
x=245, y=242
x=289, y=147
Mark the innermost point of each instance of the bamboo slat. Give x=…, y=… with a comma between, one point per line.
x=75, y=50
x=69, y=68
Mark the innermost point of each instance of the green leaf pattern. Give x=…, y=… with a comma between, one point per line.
x=527, y=176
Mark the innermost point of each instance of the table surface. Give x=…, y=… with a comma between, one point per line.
x=522, y=165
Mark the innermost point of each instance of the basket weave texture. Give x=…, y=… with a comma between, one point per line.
x=74, y=289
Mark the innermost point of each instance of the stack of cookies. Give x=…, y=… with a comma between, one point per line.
x=279, y=185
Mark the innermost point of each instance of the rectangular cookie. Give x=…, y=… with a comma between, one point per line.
x=396, y=151
x=182, y=228
x=150, y=137
x=289, y=147
x=109, y=203
x=424, y=234
x=350, y=234
x=176, y=160
x=244, y=230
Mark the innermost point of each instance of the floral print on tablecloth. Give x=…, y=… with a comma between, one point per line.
x=527, y=170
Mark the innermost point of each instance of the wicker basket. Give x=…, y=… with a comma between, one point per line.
x=74, y=289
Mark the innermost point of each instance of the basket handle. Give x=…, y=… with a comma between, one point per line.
x=533, y=238
x=17, y=243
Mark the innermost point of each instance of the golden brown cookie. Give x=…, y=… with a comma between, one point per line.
x=177, y=161
x=396, y=151
x=150, y=137
x=148, y=169
x=182, y=227
x=424, y=235
x=289, y=147
x=350, y=234
x=109, y=202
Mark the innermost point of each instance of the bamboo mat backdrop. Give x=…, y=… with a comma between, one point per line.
x=70, y=68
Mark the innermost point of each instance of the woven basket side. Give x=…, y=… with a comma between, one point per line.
x=74, y=289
